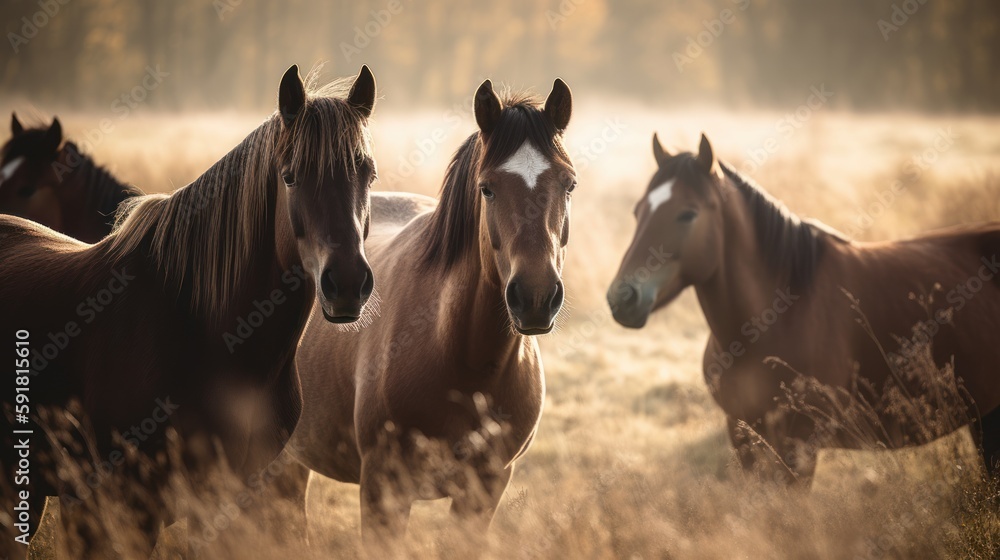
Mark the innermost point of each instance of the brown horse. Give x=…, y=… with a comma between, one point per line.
x=443, y=391
x=771, y=284
x=190, y=312
x=58, y=187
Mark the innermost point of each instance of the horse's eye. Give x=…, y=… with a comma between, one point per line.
x=26, y=191
x=572, y=187
x=486, y=192
x=288, y=179
x=687, y=216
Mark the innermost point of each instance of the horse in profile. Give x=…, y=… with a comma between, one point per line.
x=774, y=286
x=443, y=392
x=55, y=184
x=187, y=316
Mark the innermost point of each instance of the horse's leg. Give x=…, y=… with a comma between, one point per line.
x=288, y=493
x=84, y=523
x=475, y=509
x=385, y=505
x=990, y=441
x=741, y=443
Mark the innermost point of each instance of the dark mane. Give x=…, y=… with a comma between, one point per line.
x=790, y=246
x=104, y=191
x=454, y=227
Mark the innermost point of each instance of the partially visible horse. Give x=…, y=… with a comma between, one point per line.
x=442, y=393
x=190, y=312
x=55, y=184
x=773, y=285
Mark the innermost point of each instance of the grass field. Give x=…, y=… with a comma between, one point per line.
x=631, y=460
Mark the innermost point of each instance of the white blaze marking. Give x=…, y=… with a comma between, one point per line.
x=527, y=162
x=660, y=194
x=8, y=170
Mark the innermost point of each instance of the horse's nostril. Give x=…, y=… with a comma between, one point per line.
x=513, y=299
x=328, y=285
x=557, y=298
x=368, y=286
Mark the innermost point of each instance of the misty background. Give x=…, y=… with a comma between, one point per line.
x=922, y=55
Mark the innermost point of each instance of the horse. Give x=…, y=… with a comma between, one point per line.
x=186, y=318
x=839, y=312
x=58, y=187
x=443, y=391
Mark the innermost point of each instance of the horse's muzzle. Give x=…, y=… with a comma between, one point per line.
x=533, y=312
x=343, y=299
x=627, y=305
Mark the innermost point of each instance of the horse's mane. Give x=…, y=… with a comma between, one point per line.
x=454, y=227
x=104, y=191
x=790, y=245
x=205, y=234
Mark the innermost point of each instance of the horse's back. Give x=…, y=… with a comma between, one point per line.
x=27, y=249
x=393, y=210
x=16, y=232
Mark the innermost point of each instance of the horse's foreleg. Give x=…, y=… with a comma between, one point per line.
x=742, y=444
x=289, y=490
x=474, y=510
x=385, y=508
x=989, y=433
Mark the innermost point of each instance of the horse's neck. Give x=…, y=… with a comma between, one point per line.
x=743, y=286
x=477, y=311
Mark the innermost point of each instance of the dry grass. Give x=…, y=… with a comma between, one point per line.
x=631, y=460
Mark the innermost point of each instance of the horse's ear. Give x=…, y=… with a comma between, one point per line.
x=559, y=105
x=362, y=96
x=706, y=156
x=16, y=128
x=53, y=136
x=487, y=107
x=291, y=95
x=659, y=152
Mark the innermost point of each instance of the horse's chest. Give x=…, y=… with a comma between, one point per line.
x=742, y=386
x=452, y=400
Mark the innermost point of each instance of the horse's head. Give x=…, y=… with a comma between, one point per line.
x=29, y=180
x=326, y=167
x=526, y=180
x=678, y=236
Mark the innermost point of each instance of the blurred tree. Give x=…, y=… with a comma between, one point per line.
x=875, y=54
